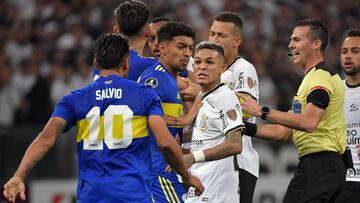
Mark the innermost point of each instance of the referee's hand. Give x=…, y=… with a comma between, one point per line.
x=249, y=105
x=13, y=188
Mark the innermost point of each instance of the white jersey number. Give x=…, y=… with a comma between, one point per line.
x=116, y=127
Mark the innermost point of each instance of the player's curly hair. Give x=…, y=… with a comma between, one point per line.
x=132, y=16
x=173, y=29
x=110, y=50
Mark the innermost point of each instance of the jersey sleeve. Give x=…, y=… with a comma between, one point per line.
x=156, y=82
x=230, y=114
x=152, y=102
x=64, y=110
x=320, y=80
x=246, y=80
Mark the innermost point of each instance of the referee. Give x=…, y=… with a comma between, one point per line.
x=316, y=120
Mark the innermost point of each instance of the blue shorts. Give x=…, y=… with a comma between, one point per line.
x=166, y=188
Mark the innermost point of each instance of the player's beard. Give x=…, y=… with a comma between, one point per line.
x=352, y=71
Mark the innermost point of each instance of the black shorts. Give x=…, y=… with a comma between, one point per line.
x=350, y=193
x=318, y=178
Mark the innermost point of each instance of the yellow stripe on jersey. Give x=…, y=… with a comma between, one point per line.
x=173, y=190
x=118, y=130
x=173, y=109
x=168, y=189
x=139, y=128
x=83, y=127
x=163, y=188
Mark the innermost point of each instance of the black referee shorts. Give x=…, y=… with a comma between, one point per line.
x=318, y=178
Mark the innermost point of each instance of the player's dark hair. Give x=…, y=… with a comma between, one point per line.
x=210, y=45
x=230, y=17
x=353, y=32
x=158, y=19
x=173, y=29
x=318, y=30
x=132, y=16
x=110, y=50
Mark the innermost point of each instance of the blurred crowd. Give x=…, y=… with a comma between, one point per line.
x=45, y=46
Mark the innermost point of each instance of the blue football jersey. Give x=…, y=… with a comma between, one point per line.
x=137, y=65
x=112, y=139
x=167, y=89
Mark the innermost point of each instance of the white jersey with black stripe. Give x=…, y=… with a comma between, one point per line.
x=241, y=77
x=221, y=113
x=352, y=114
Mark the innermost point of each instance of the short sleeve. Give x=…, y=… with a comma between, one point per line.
x=321, y=79
x=155, y=81
x=230, y=114
x=152, y=103
x=64, y=110
x=246, y=80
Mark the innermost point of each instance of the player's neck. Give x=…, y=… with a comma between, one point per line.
x=168, y=67
x=137, y=45
x=231, y=58
x=108, y=72
x=312, y=61
x=209, y=87
x=353, y=80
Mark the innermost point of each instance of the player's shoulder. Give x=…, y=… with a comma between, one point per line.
x=220, y=96
x=134, y=56
x=242, y=64
x=156, y=73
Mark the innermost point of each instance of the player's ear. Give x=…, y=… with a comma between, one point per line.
x=317, y=44
x=238, y=41
x=162, y=48
x=147, y=31
x=116, y=29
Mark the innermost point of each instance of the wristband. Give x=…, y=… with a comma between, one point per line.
x=250, y=129
x=199, y=156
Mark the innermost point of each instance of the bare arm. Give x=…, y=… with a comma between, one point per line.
x=186, y=119
x=273, y=132
x=35, y=152
x=307, y=121
x=231, y=146
x=172, y=151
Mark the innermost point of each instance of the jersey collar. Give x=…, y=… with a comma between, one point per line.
x=213, y=90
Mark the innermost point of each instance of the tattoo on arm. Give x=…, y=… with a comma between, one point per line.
x=235, y=137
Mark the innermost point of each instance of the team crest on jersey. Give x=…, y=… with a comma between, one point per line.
x=231, y=114
x=151, y=82
x=203, y=122
x=250, y=82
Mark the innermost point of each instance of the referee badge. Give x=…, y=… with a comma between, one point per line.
x=296, y=106
x=231, y=114
x=151, y=82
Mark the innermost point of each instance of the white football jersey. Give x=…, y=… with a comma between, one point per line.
x=221, y=113
x=241, y=76
x=352, y=113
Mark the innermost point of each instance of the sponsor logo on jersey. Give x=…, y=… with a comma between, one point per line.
x=354, y=107
x=223, y=120
x=108, y=82
x=231, y=114
x=151, y=82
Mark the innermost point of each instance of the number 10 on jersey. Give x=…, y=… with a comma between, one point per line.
x=114, y=128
